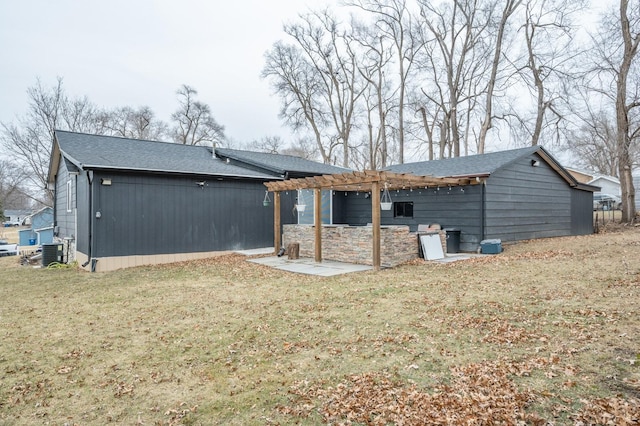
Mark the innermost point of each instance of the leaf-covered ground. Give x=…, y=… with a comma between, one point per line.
x=547, y=332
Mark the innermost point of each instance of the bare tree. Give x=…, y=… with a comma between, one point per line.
x=317, y=80
x=594, y=143
x=12, y=193
x=194, y=123
x=548, y=68
x=30, y=139
x=293, y=79
x=328, y=48
x=378, y=95
x=615, y=73
x=456, y=55
x=510, y=6
x=394, y=21
x=133, y=123
x=303, y=148
x=626, y=104
x=268, y=144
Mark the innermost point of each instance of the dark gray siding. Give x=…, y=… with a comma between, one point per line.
x=456, y=207
x=525, y=202
x=83, y=213
x=155, y=214
x=63, y=219
x=581, y=212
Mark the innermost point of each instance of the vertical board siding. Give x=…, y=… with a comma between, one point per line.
x=581, y=202
x=151, y=214
x=83, y=214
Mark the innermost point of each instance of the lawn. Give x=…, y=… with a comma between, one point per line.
x=547, y=332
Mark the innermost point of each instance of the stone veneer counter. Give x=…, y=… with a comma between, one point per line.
x=353, y=244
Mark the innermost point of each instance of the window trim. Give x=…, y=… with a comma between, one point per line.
x=69, y=200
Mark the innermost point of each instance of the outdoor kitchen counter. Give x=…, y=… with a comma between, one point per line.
x=353, y=244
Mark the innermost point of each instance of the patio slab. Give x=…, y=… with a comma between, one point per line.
x=326, y=268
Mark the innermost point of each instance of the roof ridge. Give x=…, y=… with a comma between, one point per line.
x=263, y=153
x=127, y=139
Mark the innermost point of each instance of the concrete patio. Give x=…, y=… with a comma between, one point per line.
x=326, y=268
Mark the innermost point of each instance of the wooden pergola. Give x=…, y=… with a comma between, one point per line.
x=368, y=180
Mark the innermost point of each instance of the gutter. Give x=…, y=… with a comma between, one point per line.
x=178, y=172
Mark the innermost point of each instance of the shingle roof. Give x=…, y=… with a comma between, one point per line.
x=280, y=164
x=107, y=152
x=472, y=165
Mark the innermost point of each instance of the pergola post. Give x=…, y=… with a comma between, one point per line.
x=375, y=223
x=277, y=234
x=360, y=181
x=317, y=221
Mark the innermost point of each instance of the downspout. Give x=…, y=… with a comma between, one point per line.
x=75, y=218
x=482, y=209
x=89, y=251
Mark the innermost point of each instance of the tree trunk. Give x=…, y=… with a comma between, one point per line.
x=622, y=117
x=508, y=10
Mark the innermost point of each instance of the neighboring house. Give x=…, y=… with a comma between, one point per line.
x=582, y=176
x=608, y=185
x=125, y=202
x=40, y=230
x=16, y=217
x=525, y=194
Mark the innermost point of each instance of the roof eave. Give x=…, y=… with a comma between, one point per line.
x=180, y=172
x=558, y=167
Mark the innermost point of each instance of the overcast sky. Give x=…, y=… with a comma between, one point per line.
x=138, y=52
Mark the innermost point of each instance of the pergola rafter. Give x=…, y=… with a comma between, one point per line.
x=373, y=181
x=362, y=181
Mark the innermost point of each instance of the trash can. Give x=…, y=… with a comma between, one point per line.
x=453, y=240
x=51, y=253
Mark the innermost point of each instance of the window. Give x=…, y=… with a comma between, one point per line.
x=69, y=195
x=403, y=209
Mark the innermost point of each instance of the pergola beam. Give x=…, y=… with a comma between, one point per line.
x=368, y=180
x=363, y=181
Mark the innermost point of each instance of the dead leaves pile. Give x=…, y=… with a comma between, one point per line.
x=609, y=411
x=527, y=256
x=480, y=393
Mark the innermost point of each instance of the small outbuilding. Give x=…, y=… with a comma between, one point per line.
x=40, y=229
x=125, y=202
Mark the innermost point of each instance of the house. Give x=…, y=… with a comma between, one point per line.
x=40, y=230
x=608, y=184
x=508, y=195
x=582, y=176
x=15, y=217
x=124, y=202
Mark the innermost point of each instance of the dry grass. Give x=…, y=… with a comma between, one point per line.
x=548, y=331
x=10, y=233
